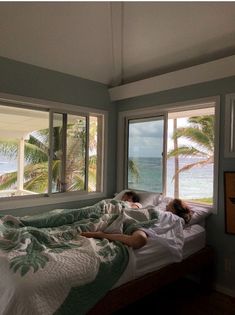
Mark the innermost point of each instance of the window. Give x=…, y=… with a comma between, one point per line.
x=145, y=147
x=47, y=152
x=172, y=151
x=190, y=155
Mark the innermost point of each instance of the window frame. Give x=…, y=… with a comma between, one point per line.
x=164, y=149
x=158, y=110
x=229, y=134
x=56, y=107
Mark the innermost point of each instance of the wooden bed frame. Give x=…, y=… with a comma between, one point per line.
x=132, y=291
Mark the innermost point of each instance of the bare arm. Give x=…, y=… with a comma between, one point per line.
x=137, y=240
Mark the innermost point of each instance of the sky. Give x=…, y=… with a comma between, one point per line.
x=146, y=138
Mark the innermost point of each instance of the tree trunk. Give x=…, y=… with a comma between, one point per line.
x=176, y=180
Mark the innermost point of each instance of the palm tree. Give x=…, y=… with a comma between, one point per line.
x=36, y=156
x=176, y=178
x=133, y=169
x=200, y=133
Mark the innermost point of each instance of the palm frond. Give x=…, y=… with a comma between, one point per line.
x=133, y=167
x=206, y=124
x=7, y=180
x=185, y=151
x=35, y=154
x=195, y=164
x=196, y=136
x=38, y=184
x=78, y=183
x=56, y=169
x=9, y=148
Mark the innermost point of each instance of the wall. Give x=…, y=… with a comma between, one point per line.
x=223, y=243
x=30, y=81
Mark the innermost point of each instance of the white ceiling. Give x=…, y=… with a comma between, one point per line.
x=116, y=42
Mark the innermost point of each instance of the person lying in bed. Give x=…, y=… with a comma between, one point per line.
x=180, y=208
x=139, y=238
x=132, y=198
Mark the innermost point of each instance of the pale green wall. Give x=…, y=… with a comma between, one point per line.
x=26, y=80
x=223, y=243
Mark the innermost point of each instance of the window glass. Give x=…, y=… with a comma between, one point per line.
x=70, y=150
x=94, y=158
x=24, y=147
x=75, y=164
x=188, y=170
x=145, y=154
x=57, y=156
x=190, y=164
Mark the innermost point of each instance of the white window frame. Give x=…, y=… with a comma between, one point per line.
x=229, y=132
x=43, y=200
x=164, y=110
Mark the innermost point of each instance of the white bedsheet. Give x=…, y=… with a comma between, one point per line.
x=154, y=256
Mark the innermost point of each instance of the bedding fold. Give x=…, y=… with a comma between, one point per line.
x=47, y=267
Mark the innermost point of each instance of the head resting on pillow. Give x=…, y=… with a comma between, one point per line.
x=180, y=208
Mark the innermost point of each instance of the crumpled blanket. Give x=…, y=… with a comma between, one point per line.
x=46, y=267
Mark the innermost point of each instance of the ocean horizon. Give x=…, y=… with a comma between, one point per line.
x=195, y=183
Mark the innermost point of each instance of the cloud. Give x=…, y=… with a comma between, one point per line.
x=146, y=139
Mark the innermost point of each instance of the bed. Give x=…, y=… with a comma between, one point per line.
x=48, y=268
x=201, y=261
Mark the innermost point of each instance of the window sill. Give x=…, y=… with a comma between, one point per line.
x=204, y=206
x=45, y=201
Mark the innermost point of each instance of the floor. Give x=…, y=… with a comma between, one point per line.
x=183, y=298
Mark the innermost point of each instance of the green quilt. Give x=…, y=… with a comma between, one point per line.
x=48, y=268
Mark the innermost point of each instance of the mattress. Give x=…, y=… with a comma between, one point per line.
x=154, y=256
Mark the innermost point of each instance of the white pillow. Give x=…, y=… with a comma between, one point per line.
x=163, y=202
x=199, y=214
x=146, y=198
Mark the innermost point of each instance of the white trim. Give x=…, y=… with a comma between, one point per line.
x=29, y=202
x=225, y=290
x=229, y=132
x=20, y=172
x=161, y=110
x=176, y=106
x=11, y=99
x=218, y=69
x=39, y=200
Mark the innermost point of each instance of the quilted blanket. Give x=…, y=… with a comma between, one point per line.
x=46, y=267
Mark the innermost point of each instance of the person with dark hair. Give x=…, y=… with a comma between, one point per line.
x=180, y=208
x=132, y=198
x=139, y=237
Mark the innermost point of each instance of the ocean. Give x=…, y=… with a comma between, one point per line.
x=195, y=183
x=7, y=165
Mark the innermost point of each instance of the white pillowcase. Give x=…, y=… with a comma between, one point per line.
x=146, y=198
x=199, y=215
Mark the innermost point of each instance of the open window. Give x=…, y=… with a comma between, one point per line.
x=43, y=152
x=173, y=151
x=145, y=153
x=190, y=154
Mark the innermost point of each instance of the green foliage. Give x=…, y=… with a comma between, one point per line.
x=200, y=132
x=133, y=168
x=36, y=154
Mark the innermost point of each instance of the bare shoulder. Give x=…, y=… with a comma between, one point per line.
x=139, y=239
x=140, y=233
